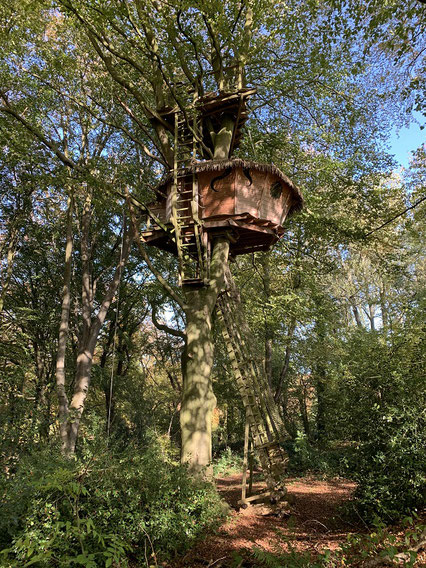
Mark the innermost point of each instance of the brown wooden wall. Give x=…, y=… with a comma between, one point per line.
x=237, y=195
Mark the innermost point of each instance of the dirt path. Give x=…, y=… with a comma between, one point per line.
x=313, y=526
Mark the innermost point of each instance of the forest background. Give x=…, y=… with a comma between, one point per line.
x=337, y=306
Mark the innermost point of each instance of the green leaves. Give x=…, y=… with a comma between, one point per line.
x=93, y=513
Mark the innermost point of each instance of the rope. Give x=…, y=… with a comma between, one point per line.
x=111, y=381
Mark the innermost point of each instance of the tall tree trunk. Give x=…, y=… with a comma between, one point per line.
x=384, y=307
x=286, y=366
x=302, y=396
x=321, y=403
x=87, y=349
x=11, y=252
x=198, y=399
x=63, y=329
x=320, y=376
x=357, y=317
x=269, y=332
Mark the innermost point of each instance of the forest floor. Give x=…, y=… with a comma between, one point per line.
x=316, y=524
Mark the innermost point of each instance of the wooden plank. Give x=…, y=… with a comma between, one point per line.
x=252, y=498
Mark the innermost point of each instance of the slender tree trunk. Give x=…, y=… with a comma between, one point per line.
x=87, y=350
x=198, y=399
x=304, y=411
x=286, y=365
x=321, y=404
x=269, y=332
x=383, y=307
x=357, y=317
x=63, y=329
x=11, y=252
x=320, y=372
x=371, y=316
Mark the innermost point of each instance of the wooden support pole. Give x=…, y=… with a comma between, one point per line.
x=251, y=463
x=245, y=460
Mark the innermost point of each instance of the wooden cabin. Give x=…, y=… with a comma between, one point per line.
x=247, y=199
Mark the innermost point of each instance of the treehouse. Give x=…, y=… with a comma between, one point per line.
x=208, y=194
x=249, y=200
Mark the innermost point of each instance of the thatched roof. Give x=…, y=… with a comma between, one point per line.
x=218, y=165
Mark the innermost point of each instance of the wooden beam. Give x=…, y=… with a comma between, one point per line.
x=245, y=460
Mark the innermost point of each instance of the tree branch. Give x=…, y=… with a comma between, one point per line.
x=164, y=327
x=169, y=290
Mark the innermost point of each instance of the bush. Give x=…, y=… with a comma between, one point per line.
x=328, y=459
x=385, y=416
x=227, y=463
x=98, y=511
x=391, y=465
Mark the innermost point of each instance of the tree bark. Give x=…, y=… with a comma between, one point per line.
x=198, y=399
x=11, y=252
x=87, y=349
x=357, y=317
x=269, y=332
x=320, y=376
x=64, y=327
x=223, y=138
x=285, y=368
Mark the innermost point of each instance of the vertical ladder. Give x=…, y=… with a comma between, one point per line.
x=185, y=200
x=262, y=414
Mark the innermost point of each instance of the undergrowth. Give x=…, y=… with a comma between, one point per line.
x=227, y=463
x=102, y=509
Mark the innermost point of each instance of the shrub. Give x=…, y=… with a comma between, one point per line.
x=228, y=462
x=328, y=459
x=385, y=416
x=97, y=511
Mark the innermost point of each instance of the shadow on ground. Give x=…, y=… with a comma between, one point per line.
x=314, y=525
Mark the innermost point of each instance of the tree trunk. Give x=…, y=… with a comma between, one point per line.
x=302, y=397
x=198, y=399
x=63, y=329
x=87, y=348
x=11, y=252
x=383, y=307
x=223, y=139
x=285, y=368
x=357, y=317
x=320, y=373
x=269, y=332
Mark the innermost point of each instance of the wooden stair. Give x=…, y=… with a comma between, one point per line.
x=263, y=418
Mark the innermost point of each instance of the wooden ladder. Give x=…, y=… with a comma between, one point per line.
x=185, y=200
x=263, y=418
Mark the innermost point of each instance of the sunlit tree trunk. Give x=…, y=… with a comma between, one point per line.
x=198, y=399
x=64, y=327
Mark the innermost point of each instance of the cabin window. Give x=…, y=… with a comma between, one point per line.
x=276, y=190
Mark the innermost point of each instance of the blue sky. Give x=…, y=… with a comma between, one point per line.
x=406, y=139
